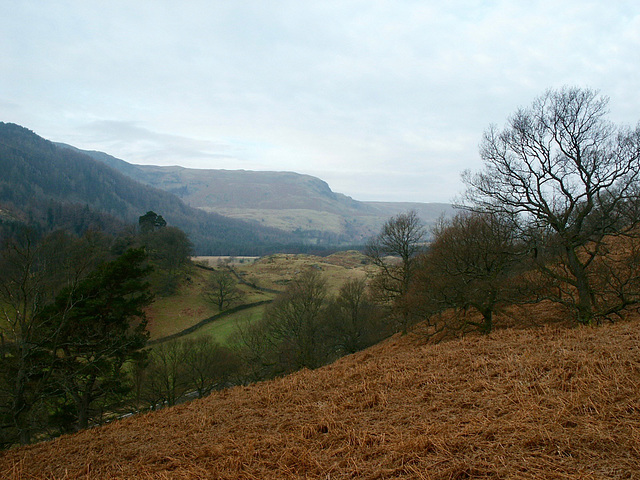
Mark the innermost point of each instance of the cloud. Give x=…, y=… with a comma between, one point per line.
x=130, y=140
x=377, y=91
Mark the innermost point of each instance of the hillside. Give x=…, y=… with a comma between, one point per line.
x=284, y=200
x=550, y=402
x=48, y=186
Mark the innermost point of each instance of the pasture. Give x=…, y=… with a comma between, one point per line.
x=261, y=279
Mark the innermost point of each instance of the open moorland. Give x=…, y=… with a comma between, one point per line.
x=549, y=402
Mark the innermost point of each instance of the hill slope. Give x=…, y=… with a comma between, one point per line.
x=39, y=178
x=549, y=403
x=285, y=200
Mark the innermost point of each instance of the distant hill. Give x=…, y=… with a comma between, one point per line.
x=48, y=186
x=284, y=200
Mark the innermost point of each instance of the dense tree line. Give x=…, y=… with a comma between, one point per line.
x=72, y=317
x=73, y=322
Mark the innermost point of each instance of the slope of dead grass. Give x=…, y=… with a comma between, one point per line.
x=548, y=402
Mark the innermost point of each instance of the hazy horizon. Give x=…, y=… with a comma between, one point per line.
x=384, y=101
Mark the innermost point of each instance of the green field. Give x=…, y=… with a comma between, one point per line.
x=223, y=329
x=188, y=307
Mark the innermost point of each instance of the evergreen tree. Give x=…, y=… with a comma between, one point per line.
x=98, y=326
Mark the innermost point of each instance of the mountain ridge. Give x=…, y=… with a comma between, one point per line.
x=285, y=200
x=46, y=186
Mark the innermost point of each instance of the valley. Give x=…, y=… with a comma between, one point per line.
x=503, y=343
x=301, y=240
x=262, y=279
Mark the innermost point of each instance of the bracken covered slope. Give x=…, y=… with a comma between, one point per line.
x=549, y=402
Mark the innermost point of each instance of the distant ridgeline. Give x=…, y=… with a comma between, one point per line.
x=303, y=205
x=52, y=186
x=48, y=187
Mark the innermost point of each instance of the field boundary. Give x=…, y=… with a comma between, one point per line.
x=240, y=279
x=208, y=320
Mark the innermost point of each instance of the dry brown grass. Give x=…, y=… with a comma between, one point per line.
x=540, y=403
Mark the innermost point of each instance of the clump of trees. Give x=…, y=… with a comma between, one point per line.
x=185, y=368
x=553, y=215
x=169, y=251
x=72, y=317
x=305, y=327
x=73, y=325
x=354, y=321
x=474, y=262
x=93, y=329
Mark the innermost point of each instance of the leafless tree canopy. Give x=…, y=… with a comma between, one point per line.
x=222, y=289
x=471, y=263
x=565, y=172
x=401, y=237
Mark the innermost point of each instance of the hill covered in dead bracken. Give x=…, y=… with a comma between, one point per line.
x=544, y=402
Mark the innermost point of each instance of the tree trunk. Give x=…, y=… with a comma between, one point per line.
x=83, y=402
x=487, y=321
x=83, y=415
x=585, y=295
x=20, y=408
x=21, y=421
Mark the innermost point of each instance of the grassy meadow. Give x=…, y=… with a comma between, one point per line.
x=188, y=307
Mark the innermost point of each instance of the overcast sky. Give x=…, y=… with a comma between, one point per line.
x=385, y=100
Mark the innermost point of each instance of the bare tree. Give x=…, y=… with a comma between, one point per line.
x=394, y=251
x=354, y=321
x=164, y=380
x=566, y=175
x=209, y=366
x=255, y=350
x=472, y=263
x=294, y=323
x=24, y=291
x=222, y=289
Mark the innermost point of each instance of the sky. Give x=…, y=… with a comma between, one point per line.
x=385, y=100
